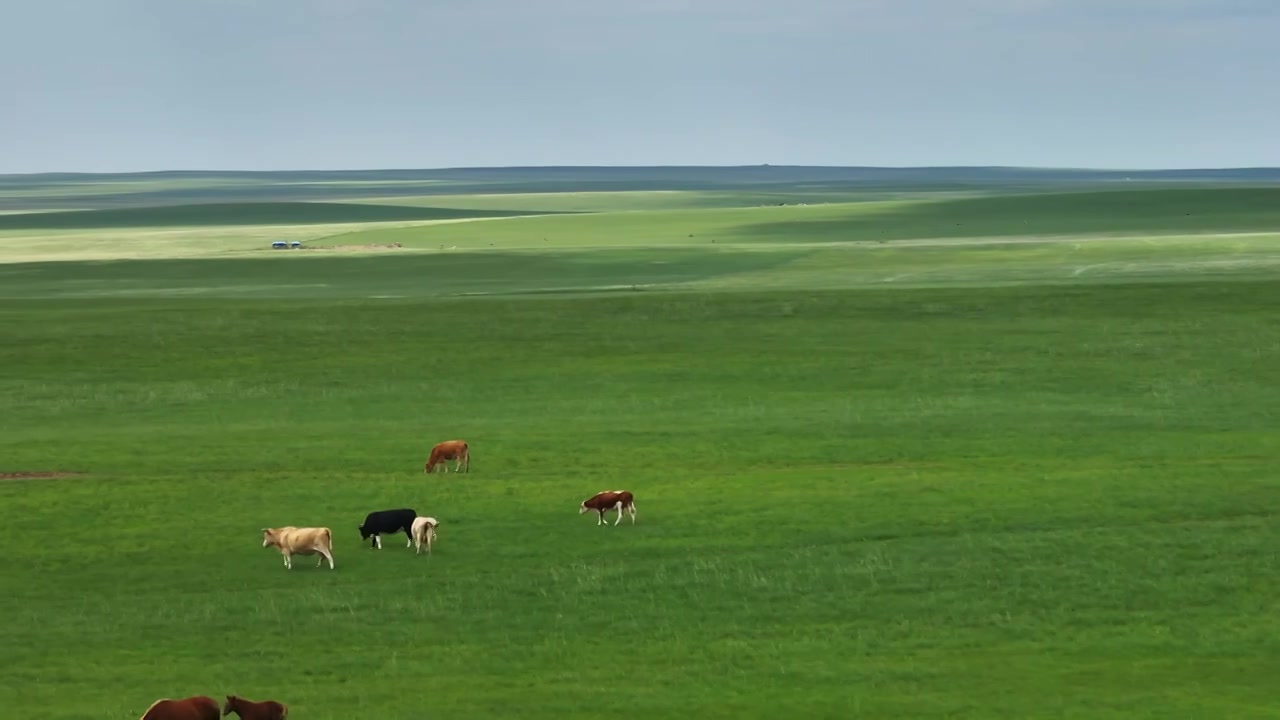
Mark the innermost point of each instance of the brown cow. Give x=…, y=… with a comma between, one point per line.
x=199, y=707
x=610, y=500
x=455, y=450
x=300, y=541
x=250, y=710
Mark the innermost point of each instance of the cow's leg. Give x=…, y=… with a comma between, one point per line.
x=633, y=513
x=325, y=555
x=288, y=561
x=408, y=533
x=618, y=507
x=377, y=541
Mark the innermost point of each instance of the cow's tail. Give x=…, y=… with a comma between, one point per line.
x=328, y=539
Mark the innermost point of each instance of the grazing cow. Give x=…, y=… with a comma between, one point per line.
x=455, y=450
x=200, y=707
x=610, y=500
x=300, y=541
x=424, y=532
x=250, y=710
x=386, y=522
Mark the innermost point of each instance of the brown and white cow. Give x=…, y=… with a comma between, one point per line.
x=455, y=450
x=607, y=500
x=300, y=541
x=424, y=533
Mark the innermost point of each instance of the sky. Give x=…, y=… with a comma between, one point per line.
x=137, y=85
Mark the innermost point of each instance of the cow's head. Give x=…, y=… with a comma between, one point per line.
x=364, y=534
x=427, y=467
x=583, y=507
x=268, y=537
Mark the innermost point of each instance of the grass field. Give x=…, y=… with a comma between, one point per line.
x=1026, y=471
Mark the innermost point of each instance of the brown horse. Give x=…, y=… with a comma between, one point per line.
x=250, y=710
x=200, y=707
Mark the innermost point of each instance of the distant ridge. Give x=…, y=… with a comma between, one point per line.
x=84, y=191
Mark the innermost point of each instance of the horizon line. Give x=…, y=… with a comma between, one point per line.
x=1049, y=168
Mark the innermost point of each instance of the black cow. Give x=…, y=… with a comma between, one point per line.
x=385, y=522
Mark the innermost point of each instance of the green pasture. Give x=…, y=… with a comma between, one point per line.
x=1143, y=212
x=885, y=466
x=396, y=273
x=1201, y=214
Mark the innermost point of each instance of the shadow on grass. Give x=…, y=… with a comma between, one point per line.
x=304, y=274
x=1182, y=210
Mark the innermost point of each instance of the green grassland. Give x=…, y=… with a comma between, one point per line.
x=932, y=456
x=1143, y=212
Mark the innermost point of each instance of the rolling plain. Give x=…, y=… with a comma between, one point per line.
x=927, y=444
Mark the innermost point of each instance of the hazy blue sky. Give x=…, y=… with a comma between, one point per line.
x=118, y=85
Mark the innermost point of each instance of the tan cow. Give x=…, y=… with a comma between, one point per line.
x=455, y=450
x=424, y=532
x=610, y=500
x=300, y=541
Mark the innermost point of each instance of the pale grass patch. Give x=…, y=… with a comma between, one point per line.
x=21, y=246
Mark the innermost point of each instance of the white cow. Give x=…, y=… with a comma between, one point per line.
x=423, y=532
